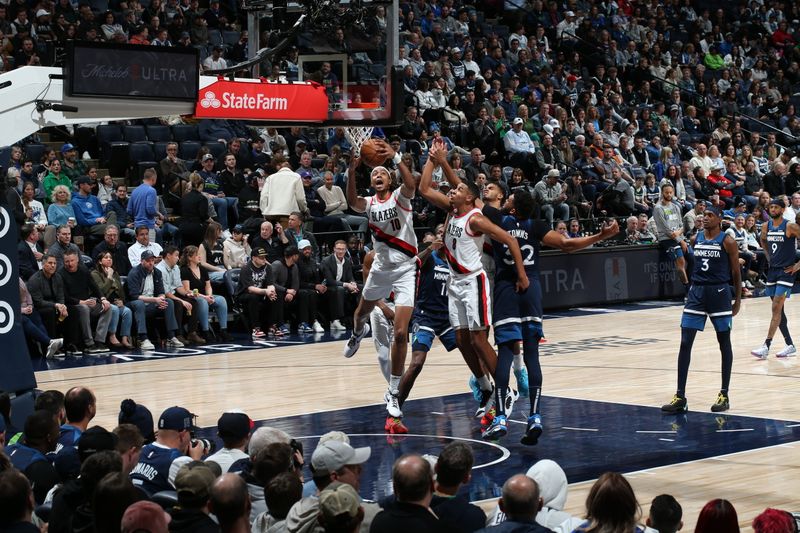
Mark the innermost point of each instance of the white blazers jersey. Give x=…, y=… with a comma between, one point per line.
x=392, y=226
x=463, y=248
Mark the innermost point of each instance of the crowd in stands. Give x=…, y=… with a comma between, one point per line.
x=61, y=472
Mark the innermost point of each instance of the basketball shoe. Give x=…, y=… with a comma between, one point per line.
x=499, y=428
x=511, y=397
x=723, y=403
x=678, y=404
x=486, y=403
x=789, y=351
x=394, y=426
x=392, y=404
x=761, y=352
x=476, y=390
x=533, y=430
x=353, y=344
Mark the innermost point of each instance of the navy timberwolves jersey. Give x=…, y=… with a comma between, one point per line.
x=782, y=249
x=529, y=234
x=711, y=263
x=432, y=291
x=151, y=474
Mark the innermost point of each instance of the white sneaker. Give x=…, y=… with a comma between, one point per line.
x=761, y=352
x=317, y=327
x=392, y=404
x=352, y=345
x=53, y=347
x=511, y=397
x=789, y=351
x=174, y=343
x=146, y=346
x=336, y=325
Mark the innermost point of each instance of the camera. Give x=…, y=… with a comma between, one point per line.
x=208, y=445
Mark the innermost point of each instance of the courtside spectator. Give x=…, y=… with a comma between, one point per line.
x=340, y=509
x=271, y=238
x=119, y=251
x=193, y=485
x=144, y=242
x=280, y=494
x=234, y=429
x=160, y=461
x=112, y=496
x=236, y=250
x=129, y=445
x=85, y=303
x=29, y=456
x=143, y=205
x=665, y=514
x=611, y=504
x=145, y=516
x=774, y=521
x=520, y=502
x=717, y=516
x=147, y=299
x=140, y=416
x=256, y=294
x=230, y=503
x=80, y=406
x=343, y=291
x=454, y=469
x=282, y=193
x=63, y=244
x=16, y=502
x=412, y=480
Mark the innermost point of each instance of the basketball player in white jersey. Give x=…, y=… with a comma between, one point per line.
x=470, y=306
x=394, y=269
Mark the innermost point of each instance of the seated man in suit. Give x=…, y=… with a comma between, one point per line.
x=343, y=290
x=30, y=252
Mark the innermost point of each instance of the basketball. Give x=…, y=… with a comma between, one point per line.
x=370, y=153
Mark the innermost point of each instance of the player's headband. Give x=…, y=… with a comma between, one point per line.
x=379, y=169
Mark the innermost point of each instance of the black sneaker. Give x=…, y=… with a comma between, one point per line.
x=95, y=348
x=723, y=403
x=487, y=402
x=224, y=335
x=677, y=405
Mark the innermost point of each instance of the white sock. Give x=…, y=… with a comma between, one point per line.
x=394, y=383
x=519, y=361
x=484, y=383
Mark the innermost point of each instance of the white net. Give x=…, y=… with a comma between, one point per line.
x=356, y=135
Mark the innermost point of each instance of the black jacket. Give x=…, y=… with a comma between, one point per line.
x=45, y=293
x=329, y=271
x=28, y=265
x=135, y=282
x=191, y=521
x=310, y=272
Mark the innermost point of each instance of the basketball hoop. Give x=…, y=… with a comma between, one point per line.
x=357, y=135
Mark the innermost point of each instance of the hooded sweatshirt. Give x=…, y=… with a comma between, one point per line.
x=266, y=523
x=302, y=517
x=552, y=483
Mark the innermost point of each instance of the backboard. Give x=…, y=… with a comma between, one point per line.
x=350, y=47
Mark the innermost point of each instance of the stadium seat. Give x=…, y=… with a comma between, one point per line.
x=98, y=6
x=318, y=162
x=111, y=142
x=167, y=499
x=185, y=132
x=230, y=38
x=158, y=132
x=188, y=149
x=34, y=152
x=134, y=134
x=217, y=148
x=138, y=168
x=141, y=151
x=214, y=38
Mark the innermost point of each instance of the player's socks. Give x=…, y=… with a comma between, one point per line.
x=768, y=342
x=394, y=383
x=784, y=327
x=536, y=393
x=484, y=384
x=519, y=361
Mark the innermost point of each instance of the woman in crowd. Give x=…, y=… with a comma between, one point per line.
x=611, y=506
x=212, y=253
x=34, y=210
x=60, y=211
x=717, y=516
x=105, y=189
x=196, y=282
x=110, y=285
x=236, y=249
x=54, y=178
x=194, y=212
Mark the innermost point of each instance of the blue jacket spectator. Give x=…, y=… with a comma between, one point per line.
x=143, y=202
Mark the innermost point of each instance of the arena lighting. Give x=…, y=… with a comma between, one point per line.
x=41, y=106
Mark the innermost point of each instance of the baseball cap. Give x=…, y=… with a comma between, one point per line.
x=741, y=203
x=145, y=516
x=333, y=455
x=553, y=173
x=337, y=499
x=548, y=129
x=238, y=228
x=83, y=179
x=554, y=123
x=490, y=92
x=304, y=243
x=260, y=252
x=571, y=78
x=193, y=482
x=140, y=416
x=300, y=141
x=42, y=13
x=569, y=14
x=219, y=47
x=777, y=201
x=66, y=147
x=234, y=424
x=96, y=439
x=207, y=157
x=147, y=254
x=305, y=173
x=674, y=107
x=518, y=120
x=177, y=419
x=455, y=50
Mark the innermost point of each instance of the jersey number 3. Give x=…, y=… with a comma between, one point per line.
x=528, y=254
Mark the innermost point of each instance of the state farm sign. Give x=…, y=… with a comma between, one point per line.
x=300, y=102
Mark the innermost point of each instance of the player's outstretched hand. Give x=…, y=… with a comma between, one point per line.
x=522, y=284
x=355, y=158
x=437, y=154
x=609, y=229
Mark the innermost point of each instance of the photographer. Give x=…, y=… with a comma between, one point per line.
x=160, y=461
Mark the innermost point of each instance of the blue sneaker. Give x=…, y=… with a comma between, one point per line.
x=284, y=328
x=304, y=327
x=499, y=428
x=476, y=390
x=533, y=431
x=522, y=382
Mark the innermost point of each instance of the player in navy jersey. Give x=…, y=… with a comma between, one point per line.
x=716, y=266
x=518, y=316
x=468, y=288
x=779, y=240
x=430, y=314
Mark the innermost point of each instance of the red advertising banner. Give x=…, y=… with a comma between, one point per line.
x=301, y=102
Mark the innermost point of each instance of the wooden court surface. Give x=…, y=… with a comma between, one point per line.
x=279, y=382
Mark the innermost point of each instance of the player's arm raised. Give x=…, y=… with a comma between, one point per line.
x=409, y=185
x=736, y=273
x=356, y=202
x=438, y=153
x=429, y=193
x=554, y=239
x=479, y=223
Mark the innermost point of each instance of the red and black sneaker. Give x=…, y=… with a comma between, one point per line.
x=395, y=426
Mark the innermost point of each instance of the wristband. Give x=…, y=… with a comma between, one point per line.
x=397, y=158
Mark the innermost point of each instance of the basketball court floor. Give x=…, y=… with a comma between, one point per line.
x=606, y=373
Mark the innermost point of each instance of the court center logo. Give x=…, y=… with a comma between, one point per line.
x=6, y=311
x=210, y=101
